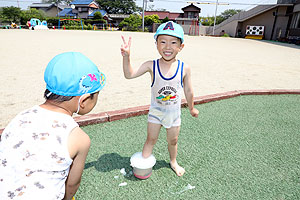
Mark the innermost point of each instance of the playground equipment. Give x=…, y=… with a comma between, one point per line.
x=14, y=25
x=36, y=24
x=194, y=28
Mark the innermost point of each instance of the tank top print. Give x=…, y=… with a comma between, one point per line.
x=34, y=158
x=166, y=95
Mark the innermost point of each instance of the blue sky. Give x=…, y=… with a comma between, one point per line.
x=171, y=5
x=206, y=9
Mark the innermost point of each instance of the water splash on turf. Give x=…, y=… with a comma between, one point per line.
x=188, y=187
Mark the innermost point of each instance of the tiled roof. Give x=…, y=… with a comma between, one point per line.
x=80, y=2
x=118, y=16
x=66, y=12
x=41, y=5
x=103, y=12
x=163, y=14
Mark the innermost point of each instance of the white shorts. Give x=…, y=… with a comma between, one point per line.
x=167, y=119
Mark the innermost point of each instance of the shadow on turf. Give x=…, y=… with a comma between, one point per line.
x=113, y=161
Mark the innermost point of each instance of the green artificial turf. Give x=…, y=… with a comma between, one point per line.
x=246, y=147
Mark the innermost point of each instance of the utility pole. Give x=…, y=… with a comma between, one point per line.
x=215, y=17
x=143, y=15
x=217, y=3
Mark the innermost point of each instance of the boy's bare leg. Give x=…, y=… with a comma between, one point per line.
x=172, y=138
x=152, y=136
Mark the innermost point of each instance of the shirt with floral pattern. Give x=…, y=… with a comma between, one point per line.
x=34, y=158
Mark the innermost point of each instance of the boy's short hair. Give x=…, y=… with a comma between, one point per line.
x=59, y=98
x=170, y=28
x=73, y=74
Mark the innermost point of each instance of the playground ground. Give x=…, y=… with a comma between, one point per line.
x=245, y=147
x=218, y=65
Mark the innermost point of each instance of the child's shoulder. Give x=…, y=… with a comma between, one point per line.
x=148, y=65
x=148, y=62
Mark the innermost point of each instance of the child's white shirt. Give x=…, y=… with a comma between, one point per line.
x=166, y=95
x=34, y=158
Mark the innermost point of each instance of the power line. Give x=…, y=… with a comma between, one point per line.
x=214, y=2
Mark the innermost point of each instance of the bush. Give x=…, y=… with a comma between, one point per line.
x=225, y=35
x=89, y=27
x=131, y=23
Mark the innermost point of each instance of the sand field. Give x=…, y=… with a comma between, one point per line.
x=218, y=65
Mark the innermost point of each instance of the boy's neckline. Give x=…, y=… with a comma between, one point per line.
x=55, y=109
x=170, y=78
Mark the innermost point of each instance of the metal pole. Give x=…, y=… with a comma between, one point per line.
x=215, y=17
x=143, y=15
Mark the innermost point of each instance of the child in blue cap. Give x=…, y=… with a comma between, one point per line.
x=43, y=150
x=170, y=78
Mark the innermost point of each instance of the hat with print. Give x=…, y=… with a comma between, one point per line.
x=170, y=28
x=73, y=74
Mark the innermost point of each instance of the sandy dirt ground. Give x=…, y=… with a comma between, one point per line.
x=218, y=65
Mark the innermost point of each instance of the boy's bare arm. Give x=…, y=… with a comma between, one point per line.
x=129, y=71
x=79, y=143
x=188, y=91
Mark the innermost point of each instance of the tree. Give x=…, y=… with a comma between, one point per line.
x=98, y=15
x=12, y=13
x=118, y=6
x=32, y=13
x=166, y=19
x=150, y=19
x=131, y=23
x=229, y=13
x=209, y=21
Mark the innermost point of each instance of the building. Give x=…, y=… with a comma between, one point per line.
x=163, y=15
x=188, y=19
x=280, y=21
x=115, y=19
x=84, y=8
x=50, y=9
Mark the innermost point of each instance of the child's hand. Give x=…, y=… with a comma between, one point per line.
x=194, y=112
x=125, y=47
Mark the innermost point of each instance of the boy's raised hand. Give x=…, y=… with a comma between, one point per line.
x=125, y=47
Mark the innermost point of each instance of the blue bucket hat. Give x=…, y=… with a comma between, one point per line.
x=170, y=28
x=73, y=74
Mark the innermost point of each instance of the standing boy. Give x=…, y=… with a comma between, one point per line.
x=169, y=77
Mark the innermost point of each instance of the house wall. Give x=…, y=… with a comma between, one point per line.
x=266, y=19
x=285, y=1
x=194, y=13
x=204, y=30
x=230, y=29
x=281, y=26
x=297, y=8
x=83, y=14
x=185, y=22
x=52, y=12
x=294, y=33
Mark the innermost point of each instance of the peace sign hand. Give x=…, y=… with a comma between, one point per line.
x=125, y=47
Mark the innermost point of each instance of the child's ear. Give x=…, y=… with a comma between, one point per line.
x=83, y=99
x=181, y=47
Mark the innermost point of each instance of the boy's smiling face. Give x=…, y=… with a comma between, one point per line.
x=168, y=46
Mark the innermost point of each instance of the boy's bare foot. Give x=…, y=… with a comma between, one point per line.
x=177, y=169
